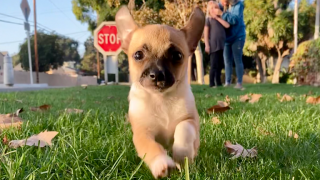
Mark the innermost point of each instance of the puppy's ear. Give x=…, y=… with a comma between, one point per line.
x=194, y=29
x=125, y=25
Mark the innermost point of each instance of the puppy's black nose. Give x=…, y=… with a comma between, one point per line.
x=152, y=75
x=156, y=75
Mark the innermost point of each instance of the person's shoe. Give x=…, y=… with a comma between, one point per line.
x=227, y=85
x=238, y=86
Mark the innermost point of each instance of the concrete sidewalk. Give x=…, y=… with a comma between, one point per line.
x=26, y=87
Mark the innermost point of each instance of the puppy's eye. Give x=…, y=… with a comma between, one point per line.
x=138, y=56
x=176, y=56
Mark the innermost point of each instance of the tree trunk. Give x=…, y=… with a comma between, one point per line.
x=264, y=71
x=260, y=70
x=276, y=73
x=199, y=60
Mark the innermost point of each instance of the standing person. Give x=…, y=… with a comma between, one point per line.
x=215, y=36
x=235, y=40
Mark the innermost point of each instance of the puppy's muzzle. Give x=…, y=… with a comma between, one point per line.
x=157, y=77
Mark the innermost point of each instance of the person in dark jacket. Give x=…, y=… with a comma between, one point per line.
x=235, y=39
x=215, y=36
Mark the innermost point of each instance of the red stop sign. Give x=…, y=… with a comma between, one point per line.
x=106, y=39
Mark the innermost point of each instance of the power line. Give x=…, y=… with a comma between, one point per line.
x=63, y=13
x=10, y=42
x=39, y=24
x=10, y=22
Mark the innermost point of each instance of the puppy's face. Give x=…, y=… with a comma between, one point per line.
x=157, y=57
x=158, y=54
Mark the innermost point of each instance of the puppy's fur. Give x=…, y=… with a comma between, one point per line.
x=162, y=110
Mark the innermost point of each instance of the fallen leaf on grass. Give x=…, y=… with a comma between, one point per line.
x=228, y=100
x=278, y=95
x=237, y=150
x=19, y=101
x=296, y=136
x=84, y=86
x=219, y=108
x=41, y=108
x=11, y=119
x=255, y=98
x=313, y=100
x=15, y=114
x=244, y=98
x=264, y=132
x=215, y=120
x=207, y=96
x=5, y=140
x=76, y=111
x=286, y=98
x=44, y=138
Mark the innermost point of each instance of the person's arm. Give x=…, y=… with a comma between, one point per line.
x=224, y=23
x=233, y=18
x=206, y=36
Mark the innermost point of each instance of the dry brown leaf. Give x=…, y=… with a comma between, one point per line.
x=215, y=120
x=255, y=98
x=76, y=111
x=290, y=133
x=228, y=100
x=207, y=96
x=264, y=132
x=313, y=100
x=15, y=114
x=5, y=140
x=219, y=108
x=244, y=98
x=19, y=101
x=286, y=98
x=11, y=119
x=41, y=108
x=84, y=86
x=44, y=138
x=237, y=150
x=278, y=95
x=110, y=97
x=296, y=136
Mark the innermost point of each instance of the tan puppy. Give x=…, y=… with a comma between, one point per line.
x=162, y=109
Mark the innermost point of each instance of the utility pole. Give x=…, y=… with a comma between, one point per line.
x=97, y=53
x=295, y=33
x=35, y=41
x=316, y=31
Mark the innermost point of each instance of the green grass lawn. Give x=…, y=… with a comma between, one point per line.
x=98, y=143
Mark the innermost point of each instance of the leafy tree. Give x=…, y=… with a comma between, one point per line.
x=50, y=53
x=269, y=26
x=53, y=50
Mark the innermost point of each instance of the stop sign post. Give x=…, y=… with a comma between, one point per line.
x=109, y=45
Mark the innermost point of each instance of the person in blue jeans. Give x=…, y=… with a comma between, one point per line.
x=235, y=39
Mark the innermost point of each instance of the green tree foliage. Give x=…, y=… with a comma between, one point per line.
x=53, y=50
x=269, y=26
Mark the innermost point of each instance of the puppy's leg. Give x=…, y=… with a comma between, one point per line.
x=186, y=141
x=155, y=156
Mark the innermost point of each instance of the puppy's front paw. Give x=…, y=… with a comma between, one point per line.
x=180, y=152
x=161, y=166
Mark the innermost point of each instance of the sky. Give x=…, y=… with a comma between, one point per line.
x=54, y=15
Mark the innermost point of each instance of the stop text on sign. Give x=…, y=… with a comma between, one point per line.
x=108, y=38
